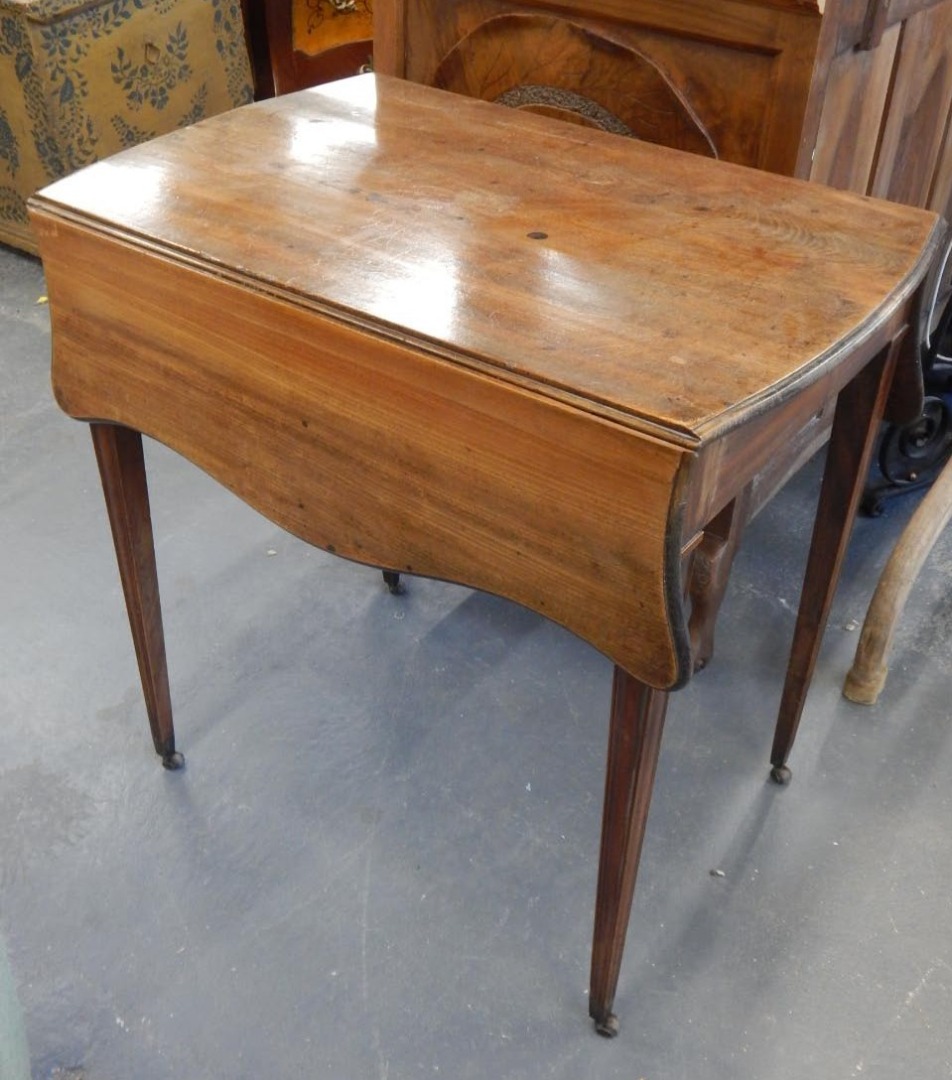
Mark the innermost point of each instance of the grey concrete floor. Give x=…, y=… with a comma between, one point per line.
x=380, y=859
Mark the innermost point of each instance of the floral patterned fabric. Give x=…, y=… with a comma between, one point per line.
x=81, y=80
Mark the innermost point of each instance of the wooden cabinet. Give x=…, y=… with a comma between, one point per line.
x=83, y=79
x=855, y=93
x=726, y=77
x=300, y=43
x=880, y=102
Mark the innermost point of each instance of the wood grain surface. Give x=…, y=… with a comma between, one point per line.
x=625, y=278
x=374, y=451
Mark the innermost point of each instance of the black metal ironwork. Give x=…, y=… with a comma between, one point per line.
x=912, y=456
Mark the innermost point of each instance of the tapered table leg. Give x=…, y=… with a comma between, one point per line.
x=634, y=741
x=122, y=470
x=859, y=409
x=391, y=578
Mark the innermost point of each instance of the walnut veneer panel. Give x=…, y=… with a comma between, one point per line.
x=854, y=93
x=743, y=68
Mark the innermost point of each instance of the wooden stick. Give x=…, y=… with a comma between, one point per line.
x=867, y=676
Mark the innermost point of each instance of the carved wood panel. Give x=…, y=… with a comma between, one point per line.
x=857, y=95
x=732, y=80
x=729, y=79
x=556, y=67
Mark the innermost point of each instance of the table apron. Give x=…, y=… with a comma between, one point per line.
x=378, y=451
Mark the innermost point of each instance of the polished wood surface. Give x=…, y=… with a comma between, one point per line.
x=852, y=93
x=446, y=338
x=634, y=236
x=634, y=744
x=122, y=471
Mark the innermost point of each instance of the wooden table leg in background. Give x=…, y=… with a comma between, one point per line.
x=634, y=742
x=122, y=470
x=859, y=407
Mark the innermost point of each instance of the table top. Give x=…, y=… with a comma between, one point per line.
x=676, y=295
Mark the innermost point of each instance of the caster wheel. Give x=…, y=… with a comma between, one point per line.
x=915, y=452
x=872, y=506
x=608, y=1028
x=173, y=761
x=780, y=774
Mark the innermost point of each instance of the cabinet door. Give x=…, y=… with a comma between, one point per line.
x=312, y=41
x=881, y=106
x=729, y=78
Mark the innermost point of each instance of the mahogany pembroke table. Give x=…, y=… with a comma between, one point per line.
x=448, y=338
